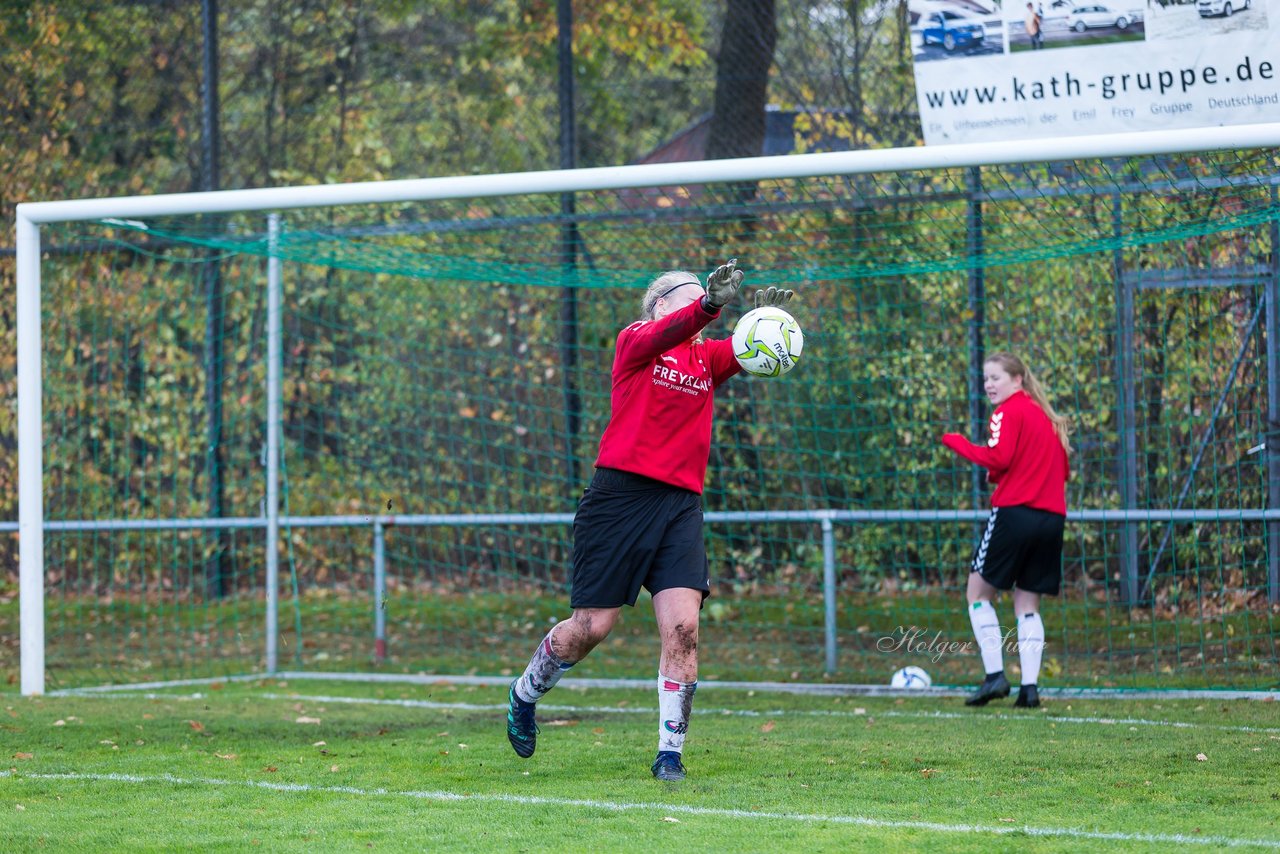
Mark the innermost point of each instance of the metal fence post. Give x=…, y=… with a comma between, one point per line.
x=975, y=246
x=379, y=592
x=829, y=589
x=1271, y=437
x=1127, y=433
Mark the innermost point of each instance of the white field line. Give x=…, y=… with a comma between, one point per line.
x=167, y=683
x=664, y=809
x=801, y=712
x=750, y=713
x=807, y=688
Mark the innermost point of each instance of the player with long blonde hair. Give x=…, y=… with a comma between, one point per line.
x=1026, y=457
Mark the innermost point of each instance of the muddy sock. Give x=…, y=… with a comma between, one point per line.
x=543, y=672
x=675, y=703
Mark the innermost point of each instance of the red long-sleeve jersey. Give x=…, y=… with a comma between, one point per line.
x=661, y=405
x=1023, y=456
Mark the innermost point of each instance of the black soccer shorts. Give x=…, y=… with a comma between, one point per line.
x=1021, y=546
x=631, y=531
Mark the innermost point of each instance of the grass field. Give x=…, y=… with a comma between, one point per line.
x=324, y=765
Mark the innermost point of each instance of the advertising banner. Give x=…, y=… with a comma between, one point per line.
x=987, y=71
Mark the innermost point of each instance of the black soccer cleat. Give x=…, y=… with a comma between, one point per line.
x=522, y=732
x=994, y=687
x=668, y=766
x=1028, y=697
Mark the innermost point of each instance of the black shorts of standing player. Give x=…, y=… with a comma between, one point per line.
x=631, y=531
x=1021, y=546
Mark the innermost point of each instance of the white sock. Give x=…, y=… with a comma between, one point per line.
x=675, y=703
x=986, y=629
x=542, y=673
x=1030, y=646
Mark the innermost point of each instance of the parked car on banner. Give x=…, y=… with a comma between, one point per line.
x=952, y=30
x=1098, y=15
x=1226, y=8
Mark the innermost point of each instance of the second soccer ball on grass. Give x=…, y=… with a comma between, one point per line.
x=767, y=342
x=910, y=677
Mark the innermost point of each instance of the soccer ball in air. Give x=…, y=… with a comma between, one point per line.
x=910, y=677
x=767, y=342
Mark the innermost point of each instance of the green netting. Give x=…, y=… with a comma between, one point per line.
x=429, y=368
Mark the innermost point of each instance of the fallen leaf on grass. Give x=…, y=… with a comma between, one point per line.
x=333, y=769
x=225, y=755
x=306, y=720
x=1200, y=757
x=768, y=726
x=23, y=755
x=928, y=772
x=196, y=725
x=271, y=769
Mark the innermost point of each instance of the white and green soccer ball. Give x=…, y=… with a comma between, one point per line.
x=767, y=342
x=910, y=677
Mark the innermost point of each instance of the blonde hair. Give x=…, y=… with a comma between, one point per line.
x=1014, y=367
x=662, y=284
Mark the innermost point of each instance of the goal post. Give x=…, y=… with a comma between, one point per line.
x=845, y=217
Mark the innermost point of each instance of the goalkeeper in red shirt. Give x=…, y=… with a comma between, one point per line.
x=1021, y=548
x=639, y=523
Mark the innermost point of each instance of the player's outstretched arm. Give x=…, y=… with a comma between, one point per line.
x=723, y=284
x=773, y=297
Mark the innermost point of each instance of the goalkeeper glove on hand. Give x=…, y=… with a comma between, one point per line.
x=722, y=285
x=773, y=297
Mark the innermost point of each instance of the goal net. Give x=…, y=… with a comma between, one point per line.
x=438, y=368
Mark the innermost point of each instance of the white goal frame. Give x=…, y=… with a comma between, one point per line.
x=32, y=215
